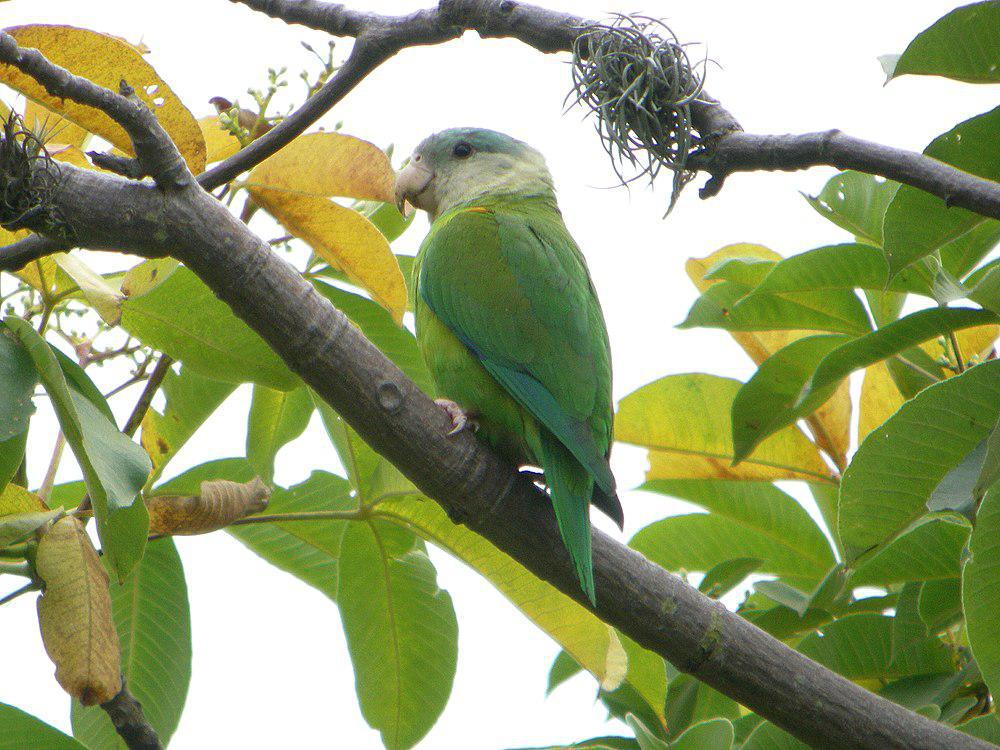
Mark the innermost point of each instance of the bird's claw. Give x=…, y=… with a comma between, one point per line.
x=459, y=419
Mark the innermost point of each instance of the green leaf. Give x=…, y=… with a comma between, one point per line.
x=563, y=667
x=114, y=467
x=980, y=586
x=766, y=402
x=990, y=473
x=685, y=422
x=746, y=519
x=930, y=548
x=859, y=647
x=918, y=223
x=984, y=727
x=857, y=202
x=722, y=578
x=987, y=290
x=309, y=550
x=386, y=219
x=590, y=642
x=907, y=627
x=401, y=631
x=183, y=317
x=18, y=379
x=190, y=400
x=962, y=45
x=714, y=734
x=644, y=735
x=767, y=736
x=22, y=731
x=924, y=689
x=733, y=306
x=956, y=490
x=276, y=418
x=11, y=455
x=154, y=628
x=375, y=322
x=647, y=676
x=940, y=603
x=847, y=266
x=899, y=464
x=690, y=701
x=782, y=593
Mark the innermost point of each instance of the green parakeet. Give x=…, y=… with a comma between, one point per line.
x=509, y=323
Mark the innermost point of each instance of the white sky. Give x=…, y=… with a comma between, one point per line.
x=270, y=662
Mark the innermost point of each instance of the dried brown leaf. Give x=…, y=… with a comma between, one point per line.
x=219, y=504
x=74, y=614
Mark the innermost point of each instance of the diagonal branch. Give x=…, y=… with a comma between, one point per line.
x=655, y=608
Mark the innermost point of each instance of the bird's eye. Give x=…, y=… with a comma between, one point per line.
x=462, y=150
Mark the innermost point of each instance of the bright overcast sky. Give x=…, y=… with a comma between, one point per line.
x=270, y=663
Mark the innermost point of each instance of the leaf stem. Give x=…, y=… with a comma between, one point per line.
x=16, y=569
x=50, y=474
x=31, y=586
x=14, y=551
x=959, y=362
x=146, y=397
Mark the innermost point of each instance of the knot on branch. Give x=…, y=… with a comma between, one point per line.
x=636, y=77
x=28, y=177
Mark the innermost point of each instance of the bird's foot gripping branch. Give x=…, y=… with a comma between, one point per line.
x=361, y=393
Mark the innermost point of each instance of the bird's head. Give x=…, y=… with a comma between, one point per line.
x=461, y=164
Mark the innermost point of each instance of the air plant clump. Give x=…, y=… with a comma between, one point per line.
x=636, y=77
x=28, y=175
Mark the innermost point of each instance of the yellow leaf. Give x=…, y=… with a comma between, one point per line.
x=70, y=155
x=147, y=275
x=74, y=614
x=105, y=60
x=58, y=128
x=343, y=238
x=684, y=421
x=101, y=295
x=831, y=424
x=880, y=398
x=328, y=164
x=219, y=143
x=219, y=504
x=977, y=342
x=15, y=499
x=594, y=645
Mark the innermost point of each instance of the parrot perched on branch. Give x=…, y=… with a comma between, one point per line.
x=508, y=321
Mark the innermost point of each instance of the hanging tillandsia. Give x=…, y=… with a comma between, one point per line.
x=636, y=76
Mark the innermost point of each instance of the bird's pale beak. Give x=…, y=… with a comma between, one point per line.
x=410, y=183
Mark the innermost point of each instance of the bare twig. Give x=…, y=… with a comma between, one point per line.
x=50, y=474
x=146, y=397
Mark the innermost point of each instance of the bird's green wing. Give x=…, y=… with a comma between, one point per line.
x=511, y=284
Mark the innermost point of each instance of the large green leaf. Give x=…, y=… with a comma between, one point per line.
x=690, y=701
x=931, y=548
x=401, y=631
x=706, y=735
x=590, y=642
x=857, y=202
x=22, y=731
x=918, y=223
x=985, y=727
x=990, y=473
x=18, y=379
x=784, y=381
x=191, y=398
x=987, y=290
x=766, y=402
x=746, y=519
x=963, y=45
x=685, y=422
x=768, y=736
x=154, y=628
x=859, y=647
x=184, y=318
x=981, y=590
x=11, y=455
x=114, y=467
x=276, y=418
x=734, y=306
x=897, y=467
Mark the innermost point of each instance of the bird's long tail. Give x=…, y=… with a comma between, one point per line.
x=570, y=486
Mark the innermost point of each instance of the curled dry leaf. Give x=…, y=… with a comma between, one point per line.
x=106, y=60
x=219, y=504
x=74, y=614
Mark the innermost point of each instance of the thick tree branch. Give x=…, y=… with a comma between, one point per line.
x=662, y=613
